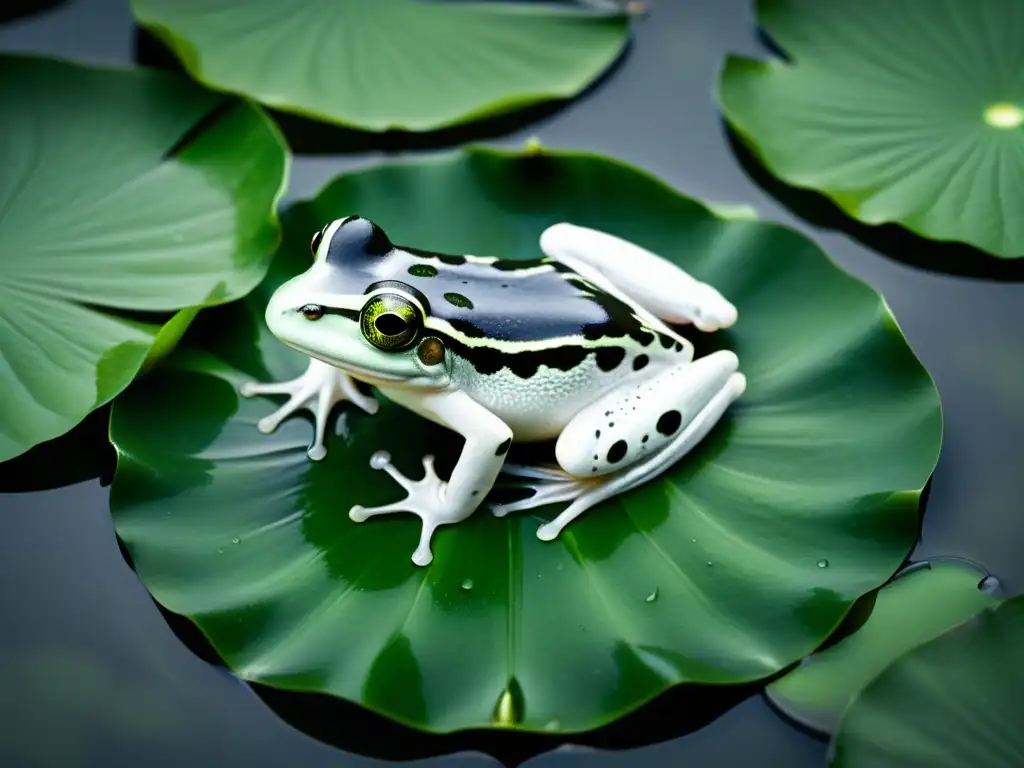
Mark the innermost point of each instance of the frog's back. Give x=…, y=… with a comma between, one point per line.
x=516, y=302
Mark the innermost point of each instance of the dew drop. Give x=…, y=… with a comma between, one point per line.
x=236, y=540
x=467, y=584
x=1004, y=116
x=653, y=596
x=508, y=711
x=552, y=725
x=823, y=563
x=693, y=540
x=991, y=585
x=220, y=551
x=558, y=567
x=710, y=563
x=380, y=459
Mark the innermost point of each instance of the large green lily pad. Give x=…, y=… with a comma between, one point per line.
x=387, y=64
x=918, y=605
x=121, y=190
x=737, y=562
x=899, y=110
x=952, y=702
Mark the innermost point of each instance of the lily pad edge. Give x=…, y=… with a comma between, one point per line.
x=185, y=52
x=166, y=336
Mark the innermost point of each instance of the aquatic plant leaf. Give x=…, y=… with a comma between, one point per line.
x=898, y=110
x=388, y=64
x=951, y=702
x=754, y=546
x=122, y=192
x=916, y=606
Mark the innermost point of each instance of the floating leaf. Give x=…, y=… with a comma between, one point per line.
x=952, y=702
x=917, y=606
x=821, y=460
x=388, y=64
x=121, y=191
x=899, y=111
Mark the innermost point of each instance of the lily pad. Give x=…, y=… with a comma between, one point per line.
x=388, y=64
x=951, y=702
x=123, y=191
x=735, y=563
x=899, y=111
x=918, y=605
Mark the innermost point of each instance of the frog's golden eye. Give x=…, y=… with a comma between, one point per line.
x=390, y=321
x=314, y=245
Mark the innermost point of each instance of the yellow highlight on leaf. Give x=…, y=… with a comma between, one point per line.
x=1004, y=116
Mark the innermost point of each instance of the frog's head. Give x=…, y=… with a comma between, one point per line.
x=341, y=311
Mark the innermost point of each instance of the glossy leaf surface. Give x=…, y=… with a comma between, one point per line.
x=899, y=110
x=737, y=562
x=915, y=607
x=121, y=190
x=951, y=702
x=388, y=64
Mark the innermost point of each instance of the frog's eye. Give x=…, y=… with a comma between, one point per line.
x=390, y=321
x=314, y=245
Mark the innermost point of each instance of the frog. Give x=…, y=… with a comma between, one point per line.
x=582, y=345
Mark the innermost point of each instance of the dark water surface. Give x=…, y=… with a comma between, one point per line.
x=92, y=675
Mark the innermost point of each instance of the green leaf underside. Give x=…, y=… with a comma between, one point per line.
x=388, y=64
x=821, y=460
x=883, y=109
x=909, y=611
x=954, y=701
x=97, y=214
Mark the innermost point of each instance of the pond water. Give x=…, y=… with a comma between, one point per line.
x=94, y=675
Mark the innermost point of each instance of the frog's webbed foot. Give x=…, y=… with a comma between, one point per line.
x=317, y=390
x=550, y=485
x=424, y=498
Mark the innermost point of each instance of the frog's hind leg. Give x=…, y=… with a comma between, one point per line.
x=618, y=267
x=319, y=389
x=658, y=421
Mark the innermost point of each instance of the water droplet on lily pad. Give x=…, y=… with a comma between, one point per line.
x=236, y=540
x=823, y=563
x=991, y=585
x=653, y=596
x=467, y=584
x=509, y=709
x=710, y=563
x=220, y=551
x=1005, y=116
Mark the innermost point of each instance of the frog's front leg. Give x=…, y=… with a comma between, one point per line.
x=616, y=265
x=319, y=389
x=631, y=435
x=433, y=500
